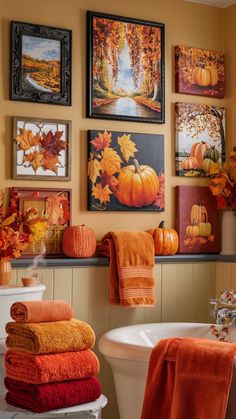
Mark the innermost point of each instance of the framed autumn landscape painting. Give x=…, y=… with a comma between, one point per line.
x=40, y=63
x=199, y=72
x=197, y=220
x=200, y=139
x=125, y=69
x=125, y=171
x=41, y=149
x=47, y=212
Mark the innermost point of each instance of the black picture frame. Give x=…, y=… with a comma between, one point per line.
x=136, y=79
x=53, y=63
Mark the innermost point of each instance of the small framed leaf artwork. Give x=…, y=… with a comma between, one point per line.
x=45, y=214
x=199, y=72
x=200, y=139
x=40, y=64
x=197, y=220
x=41, y=149
x=125, y=69
x=125, y=171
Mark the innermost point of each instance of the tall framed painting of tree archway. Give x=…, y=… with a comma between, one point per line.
x=125, y=69
x=200, y=139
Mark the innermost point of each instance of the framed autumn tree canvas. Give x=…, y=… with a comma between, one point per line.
x=41, y=149
x=199, y=72
x=200, y=139
x=125, y=68
x=197, y=220
x=125, y=171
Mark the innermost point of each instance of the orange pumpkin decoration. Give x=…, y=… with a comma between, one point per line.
x=198, y=214
x=192, y=231
x=79, y=241
x=166, y=240
x=189, y=163
x=197, y=150
x=137, y=185
x=205, y=76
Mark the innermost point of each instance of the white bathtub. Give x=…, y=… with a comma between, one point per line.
x=127, y=350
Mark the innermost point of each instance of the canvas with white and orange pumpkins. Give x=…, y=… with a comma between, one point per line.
x=200, y=139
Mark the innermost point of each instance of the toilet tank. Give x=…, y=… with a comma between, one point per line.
x=11, y=294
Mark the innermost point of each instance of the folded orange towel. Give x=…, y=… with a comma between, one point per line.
x=40, y=369
x=49, y=337
x=131, y=276
x=41, y=311
x=188, y=378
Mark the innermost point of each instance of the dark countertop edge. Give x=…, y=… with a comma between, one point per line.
x=102, y=261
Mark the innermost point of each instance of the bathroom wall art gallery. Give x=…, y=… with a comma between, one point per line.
x=125, y=169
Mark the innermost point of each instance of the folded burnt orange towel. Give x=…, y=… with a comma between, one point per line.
x=188, y=378
x=41, y=311
x=49, y=337
x=46, y=397
x=39, y=369
x=131, y=276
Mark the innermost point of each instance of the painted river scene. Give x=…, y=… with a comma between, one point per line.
x=126, y=69
x=41, y=64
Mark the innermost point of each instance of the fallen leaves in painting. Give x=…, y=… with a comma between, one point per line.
x=41, y=150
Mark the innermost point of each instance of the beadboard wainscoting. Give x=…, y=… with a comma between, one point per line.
x=183, y=292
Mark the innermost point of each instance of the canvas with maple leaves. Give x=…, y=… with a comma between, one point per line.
x=126, y=65
x=41, y=149
x=125, y=171
x=49, y=210
x=197, y=220
x=199, y=71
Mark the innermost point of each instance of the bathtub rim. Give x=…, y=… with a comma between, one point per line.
x=112, y=348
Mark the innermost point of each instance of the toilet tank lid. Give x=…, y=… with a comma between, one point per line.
x=13, y=289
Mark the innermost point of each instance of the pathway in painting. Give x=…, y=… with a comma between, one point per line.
x=128, y=107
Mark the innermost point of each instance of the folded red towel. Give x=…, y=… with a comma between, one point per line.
x=41, y=311
x=50, y=368
x=45, y=397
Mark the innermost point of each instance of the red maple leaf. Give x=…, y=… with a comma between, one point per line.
x=52, y=143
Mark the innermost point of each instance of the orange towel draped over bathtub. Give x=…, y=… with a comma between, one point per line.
x=131, y=276
x=188, y=378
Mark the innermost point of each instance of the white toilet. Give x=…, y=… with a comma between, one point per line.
x=8, y=296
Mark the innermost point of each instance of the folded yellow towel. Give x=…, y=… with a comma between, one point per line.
x=49, y=337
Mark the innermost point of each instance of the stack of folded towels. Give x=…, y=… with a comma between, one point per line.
x=49, y=362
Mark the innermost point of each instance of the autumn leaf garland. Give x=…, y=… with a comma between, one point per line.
x=41, y=150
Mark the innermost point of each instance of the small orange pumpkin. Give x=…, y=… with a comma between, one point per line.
x=192, y=231
x=79, y=241
x=166, y=240
x=137, y=185
x=189, y=163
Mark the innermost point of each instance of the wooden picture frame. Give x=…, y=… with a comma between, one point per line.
x=126, y=78
x=41, y=149
x=50, y=204
x=199, y=72
x=125, y=171
x=40, y=64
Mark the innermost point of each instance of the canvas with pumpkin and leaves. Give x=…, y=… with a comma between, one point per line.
x=125, y=171
x=200, y=139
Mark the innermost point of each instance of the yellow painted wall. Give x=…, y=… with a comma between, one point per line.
x=185, y=23
x=230, y=58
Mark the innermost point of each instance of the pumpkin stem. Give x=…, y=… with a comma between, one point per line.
x=162, y=224
x=137, y=167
